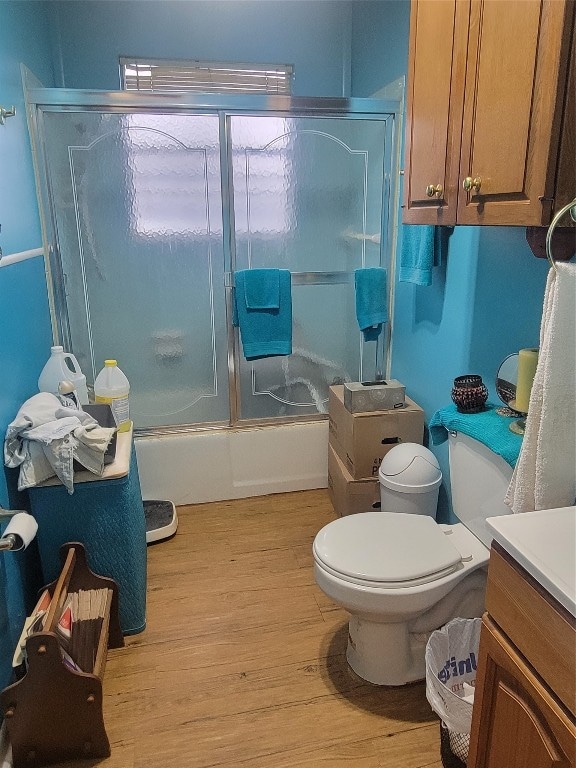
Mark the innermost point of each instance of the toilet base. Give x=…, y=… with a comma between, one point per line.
x=385, y=654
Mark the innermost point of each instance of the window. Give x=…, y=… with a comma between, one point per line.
x=206, y=77
x=166, y=198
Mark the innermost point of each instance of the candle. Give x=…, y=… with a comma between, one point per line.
x=527, y=362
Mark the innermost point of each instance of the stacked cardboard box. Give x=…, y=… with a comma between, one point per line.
x=357, y=444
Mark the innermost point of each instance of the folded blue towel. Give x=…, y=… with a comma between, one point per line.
x=487, y=427
x=262, y=288
x=264, y=332
x=371, y=300
x=423, y=247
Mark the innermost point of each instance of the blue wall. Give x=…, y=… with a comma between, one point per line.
x=26, y=336
x=24, y=319
x=485, y=302
x=313, y=36
x=380, y=33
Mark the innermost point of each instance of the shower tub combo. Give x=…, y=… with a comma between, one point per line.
x=151, y=203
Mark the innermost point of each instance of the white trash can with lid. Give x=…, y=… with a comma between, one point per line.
x=409, y=477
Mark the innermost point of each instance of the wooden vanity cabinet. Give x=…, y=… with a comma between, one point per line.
x=525, y=699
x=487, y=90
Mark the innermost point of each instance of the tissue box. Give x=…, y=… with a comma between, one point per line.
x=361, y=440
x=361, y=397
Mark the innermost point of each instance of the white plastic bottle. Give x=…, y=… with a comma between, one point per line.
x=112, y=387
x=62, y=366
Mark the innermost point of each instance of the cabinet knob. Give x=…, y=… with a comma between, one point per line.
x=470, y=184
x=434, y=190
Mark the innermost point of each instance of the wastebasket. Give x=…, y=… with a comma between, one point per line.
x=451, y=657
x=409, y=477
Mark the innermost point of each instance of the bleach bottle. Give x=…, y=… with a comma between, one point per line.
x=112, y=387
x=63, y=366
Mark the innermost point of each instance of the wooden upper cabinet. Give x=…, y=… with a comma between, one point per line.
x=486, y=104
x=438, y=33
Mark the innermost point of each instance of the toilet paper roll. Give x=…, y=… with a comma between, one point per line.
x=24, y=527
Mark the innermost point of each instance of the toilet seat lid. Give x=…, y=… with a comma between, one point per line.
x=391, y=548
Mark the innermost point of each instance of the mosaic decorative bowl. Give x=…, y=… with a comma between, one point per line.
x=469, y=393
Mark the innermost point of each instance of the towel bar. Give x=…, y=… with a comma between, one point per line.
x=569, y=207
x=306, y=278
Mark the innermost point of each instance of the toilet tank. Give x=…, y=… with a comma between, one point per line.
x=479, y=479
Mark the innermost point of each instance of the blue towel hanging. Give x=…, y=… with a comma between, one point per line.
x=371, y=300
x=262, y=289
x=265, y=331
x=423, y=247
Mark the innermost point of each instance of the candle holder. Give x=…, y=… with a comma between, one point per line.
x=469, y=393
x=518, y=426
x=527, y=363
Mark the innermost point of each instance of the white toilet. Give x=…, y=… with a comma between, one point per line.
x=401, y=576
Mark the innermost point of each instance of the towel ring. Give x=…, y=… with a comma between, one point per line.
x=570, y=207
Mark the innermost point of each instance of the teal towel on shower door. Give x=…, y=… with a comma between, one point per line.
x=265, y=331
x=371, y=300
x=262, y=289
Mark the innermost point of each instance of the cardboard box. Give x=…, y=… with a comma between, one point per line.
x=363, y=396
x=349, y=496
x=361, y=440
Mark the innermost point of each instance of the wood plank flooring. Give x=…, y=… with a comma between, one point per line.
x=242, y=663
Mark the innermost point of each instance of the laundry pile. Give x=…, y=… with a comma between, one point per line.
x=47, y=437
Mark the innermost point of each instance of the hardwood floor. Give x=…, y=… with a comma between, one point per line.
x=243, y=661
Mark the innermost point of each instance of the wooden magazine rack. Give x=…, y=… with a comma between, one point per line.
x=54, y=713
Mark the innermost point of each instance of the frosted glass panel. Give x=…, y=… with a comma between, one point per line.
x=142, y=256
x=308, y=197
x=307, y=192
x=137, y=202
x=326, y=350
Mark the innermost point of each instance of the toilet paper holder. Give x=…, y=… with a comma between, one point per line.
x=20, y=530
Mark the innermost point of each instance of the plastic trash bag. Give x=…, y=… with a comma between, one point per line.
x=451, y=661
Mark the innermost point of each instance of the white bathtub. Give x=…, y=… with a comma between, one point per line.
x=233, y=463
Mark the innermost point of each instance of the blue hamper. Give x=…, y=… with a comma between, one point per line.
x=107, y=516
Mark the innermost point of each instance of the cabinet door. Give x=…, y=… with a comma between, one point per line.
x=517, y=722
x=516, y=51
x=438, y=33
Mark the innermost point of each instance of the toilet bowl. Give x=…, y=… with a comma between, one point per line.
x=401, y=576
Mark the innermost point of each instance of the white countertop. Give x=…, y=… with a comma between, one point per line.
x=544, y=544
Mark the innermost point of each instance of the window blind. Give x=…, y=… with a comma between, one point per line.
x=206, y=77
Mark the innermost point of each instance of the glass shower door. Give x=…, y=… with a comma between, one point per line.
x=150, y=212
x=309, y=196
x=136, y=208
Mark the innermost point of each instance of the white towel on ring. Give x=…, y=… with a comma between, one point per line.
x=545, y=474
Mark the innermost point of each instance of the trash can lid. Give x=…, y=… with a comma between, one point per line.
x=410, y=468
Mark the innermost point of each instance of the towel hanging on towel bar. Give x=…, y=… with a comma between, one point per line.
x=545, y=475
x=264, y=332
